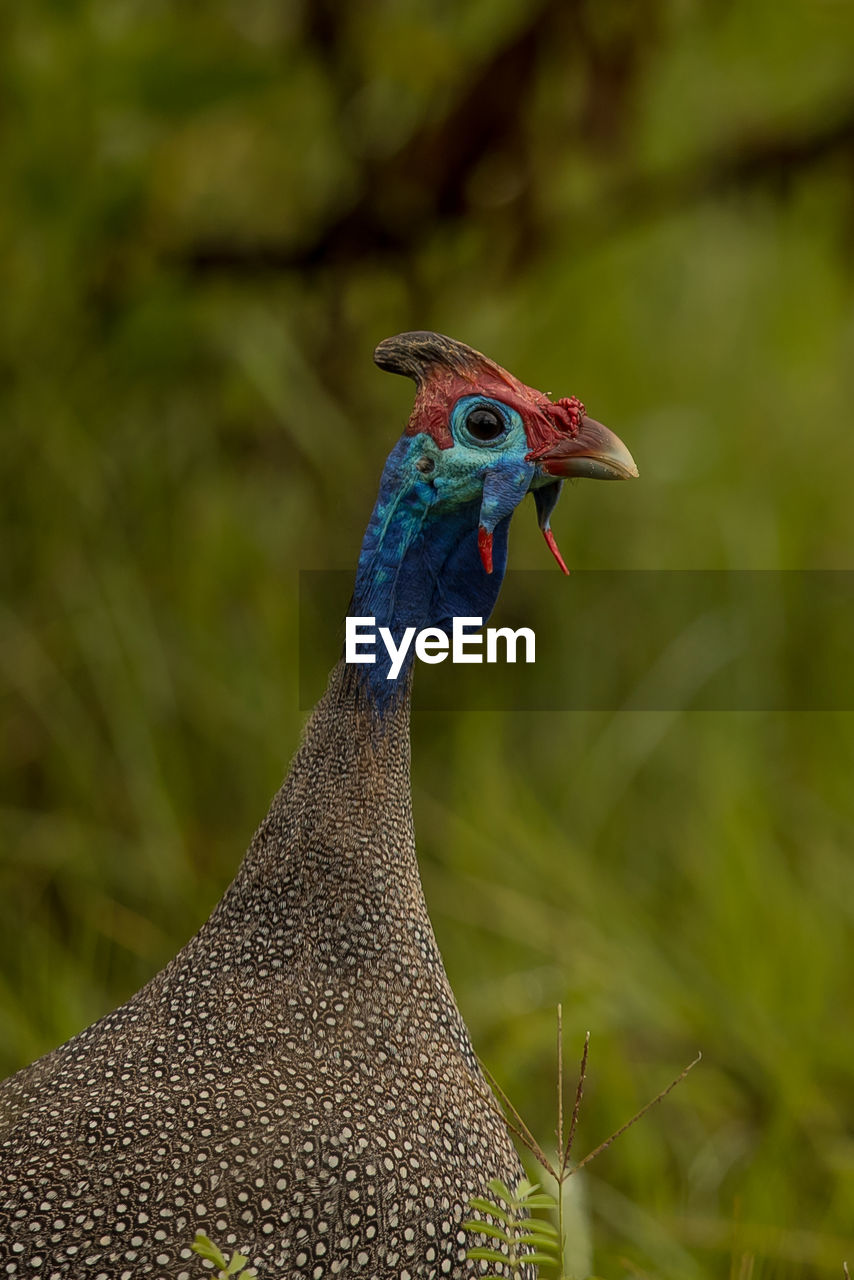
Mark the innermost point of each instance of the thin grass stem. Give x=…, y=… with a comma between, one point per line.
x=576, y=1110
x=603, y=1146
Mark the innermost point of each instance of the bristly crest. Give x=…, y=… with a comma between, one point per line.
x=416, y=355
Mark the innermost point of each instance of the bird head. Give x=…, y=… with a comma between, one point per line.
x=476, y=443
x=478, y=434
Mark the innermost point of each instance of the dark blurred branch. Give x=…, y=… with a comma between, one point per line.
x=403, y=196
x=774, y=161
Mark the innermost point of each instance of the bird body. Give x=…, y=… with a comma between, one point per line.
x=298, y=1082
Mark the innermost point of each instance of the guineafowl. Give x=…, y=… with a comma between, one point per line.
x=298, y=1082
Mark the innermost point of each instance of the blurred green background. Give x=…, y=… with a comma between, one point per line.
x=209, y=216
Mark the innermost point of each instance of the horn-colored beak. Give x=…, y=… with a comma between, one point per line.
x=595, y=452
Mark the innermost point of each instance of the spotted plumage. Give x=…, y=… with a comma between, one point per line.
x=298, y=1083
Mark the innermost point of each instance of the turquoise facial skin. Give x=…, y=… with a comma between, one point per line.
x=420, y=564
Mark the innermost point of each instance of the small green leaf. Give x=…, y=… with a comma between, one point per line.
x=238, y=1262
x=541, y=1201
x=205, y=1248
x=539, y=1226
x=500, y=1189
x=486, y=1206
x=525, y=1188
x=538, y=1241
x=488, y=1229
x=540, y=1257
x=491, y=1255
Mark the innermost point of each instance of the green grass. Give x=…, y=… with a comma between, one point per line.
x=226, y=1267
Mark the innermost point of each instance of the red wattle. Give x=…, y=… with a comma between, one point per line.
x=553, y=547
x=484, y=546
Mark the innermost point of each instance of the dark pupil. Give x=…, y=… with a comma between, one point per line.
x=485, y=424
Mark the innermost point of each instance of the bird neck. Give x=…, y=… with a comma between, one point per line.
x=419, y=567
x=339, y=832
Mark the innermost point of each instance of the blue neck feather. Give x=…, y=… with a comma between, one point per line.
x=419, y=565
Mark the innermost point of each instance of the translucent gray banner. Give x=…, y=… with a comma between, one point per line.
x=632, y=640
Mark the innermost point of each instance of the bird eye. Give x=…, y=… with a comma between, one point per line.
x=485, y=424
